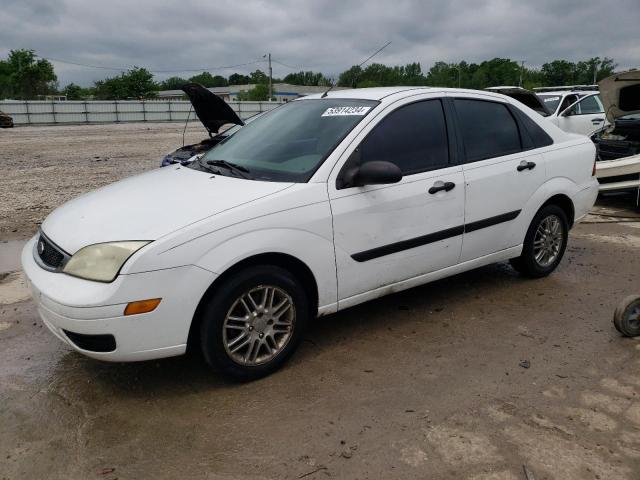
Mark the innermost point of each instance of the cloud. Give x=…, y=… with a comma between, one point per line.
x=328, y=36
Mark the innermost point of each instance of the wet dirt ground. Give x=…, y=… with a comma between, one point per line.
x=427, y=383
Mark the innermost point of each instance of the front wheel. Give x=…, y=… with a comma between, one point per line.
x=544, y=244
x=254, y=322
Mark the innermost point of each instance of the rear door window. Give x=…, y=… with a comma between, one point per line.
x=414, y=137
x=488, y=129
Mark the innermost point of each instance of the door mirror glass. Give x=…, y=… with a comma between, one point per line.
x=372, y=173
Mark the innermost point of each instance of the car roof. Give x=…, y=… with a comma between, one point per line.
x=569, y=92
x=373, y=93
x=380, y=93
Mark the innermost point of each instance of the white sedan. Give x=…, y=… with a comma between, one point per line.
x=318, y=205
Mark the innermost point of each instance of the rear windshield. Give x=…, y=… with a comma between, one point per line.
x=290, y=142
x=551, y=102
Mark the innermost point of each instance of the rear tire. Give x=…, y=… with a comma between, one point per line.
x=253, y=322
x=544, y=244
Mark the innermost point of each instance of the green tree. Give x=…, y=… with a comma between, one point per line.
x=584, y=70
x=258, y=77
x=207, y=80
x=24, y=76
x=135, y=83
x=349, y=77
x=172, y=83
x=442, y=74
x=559, y=72
x=239, y=79
x=73, y=92
x=306, y=78
x=259, y=93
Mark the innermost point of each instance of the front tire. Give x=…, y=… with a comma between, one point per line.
x=544, y=244
x=253, y=322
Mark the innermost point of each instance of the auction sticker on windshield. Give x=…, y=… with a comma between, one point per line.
x=341, y=111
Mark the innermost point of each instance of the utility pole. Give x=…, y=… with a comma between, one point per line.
x=521, y=72
x=270, y=79
x=595, y=72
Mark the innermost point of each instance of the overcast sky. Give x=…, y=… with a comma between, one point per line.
x=324, y=35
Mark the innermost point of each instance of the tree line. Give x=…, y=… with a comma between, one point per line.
x=23, y=75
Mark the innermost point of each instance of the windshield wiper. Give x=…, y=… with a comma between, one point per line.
x=239, y=169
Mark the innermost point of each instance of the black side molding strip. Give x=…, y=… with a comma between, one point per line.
x=407, y=244
x=491, y=221
x=433, y=237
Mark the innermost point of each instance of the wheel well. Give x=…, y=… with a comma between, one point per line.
x=295, y=266
x=565, y=204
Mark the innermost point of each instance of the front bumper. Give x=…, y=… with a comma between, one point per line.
x=69, y=304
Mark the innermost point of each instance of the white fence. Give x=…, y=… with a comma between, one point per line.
x=110, y=111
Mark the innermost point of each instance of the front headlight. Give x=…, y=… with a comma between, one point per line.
x=101, y=262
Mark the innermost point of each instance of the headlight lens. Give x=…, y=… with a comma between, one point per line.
x=101, y=262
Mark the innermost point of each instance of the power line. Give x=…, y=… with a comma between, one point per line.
x=201, y=69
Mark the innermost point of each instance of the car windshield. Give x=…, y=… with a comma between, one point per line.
x=550, y=101
x=290, y=142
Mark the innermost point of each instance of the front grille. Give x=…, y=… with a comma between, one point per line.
x=50, y=254
x=92, y=343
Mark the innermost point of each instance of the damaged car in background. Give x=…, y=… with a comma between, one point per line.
x=5, y=120
x=579, y=111
x=527, y=97
x=213, y=112
x=618, y=145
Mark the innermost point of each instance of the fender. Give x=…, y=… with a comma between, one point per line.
x=553, y=186
x=314, y=250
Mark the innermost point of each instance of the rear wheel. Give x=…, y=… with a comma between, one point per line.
x=544, y=244
x=254, y=322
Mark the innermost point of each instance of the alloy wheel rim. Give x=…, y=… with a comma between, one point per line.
x=633, y=320
x=548, y=240
x=259, y=325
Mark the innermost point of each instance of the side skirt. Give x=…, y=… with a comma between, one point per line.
x=500, y=256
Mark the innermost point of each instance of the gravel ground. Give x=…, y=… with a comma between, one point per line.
x=44, y=167
x=472, y=377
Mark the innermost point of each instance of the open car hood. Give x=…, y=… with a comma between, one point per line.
x=620, y=94
x=529, y=98
x=212, y=111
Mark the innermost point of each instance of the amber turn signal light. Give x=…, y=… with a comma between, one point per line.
x=142, y=306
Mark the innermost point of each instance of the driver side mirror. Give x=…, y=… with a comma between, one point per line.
x=371, y=173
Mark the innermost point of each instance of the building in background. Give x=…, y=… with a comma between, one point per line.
x=282, y=92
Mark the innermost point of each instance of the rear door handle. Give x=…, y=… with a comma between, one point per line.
x=524, y=165
x=440, y=186
x=597, y=120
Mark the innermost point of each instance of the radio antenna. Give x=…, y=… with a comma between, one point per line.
x=362, y=63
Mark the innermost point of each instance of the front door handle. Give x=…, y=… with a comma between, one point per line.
x=440, y=186
x=597, y=120
x=524, y=165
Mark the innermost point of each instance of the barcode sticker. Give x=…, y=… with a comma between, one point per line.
x=342, y=111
